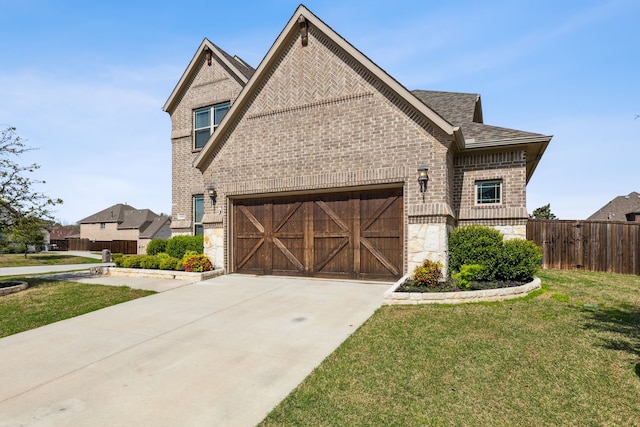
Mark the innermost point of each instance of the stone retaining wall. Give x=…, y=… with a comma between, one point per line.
x=20, y=286
x=156, y=274
x=391, y=297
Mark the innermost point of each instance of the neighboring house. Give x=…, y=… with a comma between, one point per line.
x=124, y=222
x=61, y=232
x=622, y=208
x=309, y=164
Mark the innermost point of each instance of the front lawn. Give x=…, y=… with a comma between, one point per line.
x=566, y=355
x=43, y=258
x=48, y=301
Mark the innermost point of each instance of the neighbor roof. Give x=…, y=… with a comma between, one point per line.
x=114, y=213
x=618, y=208
x=154, y=227
x=136, y=219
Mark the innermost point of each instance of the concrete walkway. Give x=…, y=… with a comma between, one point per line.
x=219, y=352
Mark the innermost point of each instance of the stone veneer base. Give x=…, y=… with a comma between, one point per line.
x=156, y=274
x=391, y=297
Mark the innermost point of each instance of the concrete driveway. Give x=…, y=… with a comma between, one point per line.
x=220, y=352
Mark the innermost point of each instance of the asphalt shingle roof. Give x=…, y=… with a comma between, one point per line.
x=154, y=227
x=454, y=107
x=618, y=208
x=113, y=213
x=465, y=110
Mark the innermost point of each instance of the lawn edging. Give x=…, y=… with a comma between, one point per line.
x=156, y=274
x=17, y=287
x=391, y=297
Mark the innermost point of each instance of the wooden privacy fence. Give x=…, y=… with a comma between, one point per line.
x=587, y=245
x=115, y=246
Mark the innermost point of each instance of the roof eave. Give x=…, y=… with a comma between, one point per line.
x=535, y=147
x=191, y=68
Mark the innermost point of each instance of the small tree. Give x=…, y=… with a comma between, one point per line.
x=28, y=231
x=544, y=212
x=18, y=199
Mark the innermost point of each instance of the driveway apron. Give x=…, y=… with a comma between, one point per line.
x=220, y=352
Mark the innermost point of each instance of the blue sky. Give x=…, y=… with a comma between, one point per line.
x=85, y=83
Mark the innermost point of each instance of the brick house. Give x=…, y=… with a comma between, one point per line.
x=310, y=164
x=124, y=222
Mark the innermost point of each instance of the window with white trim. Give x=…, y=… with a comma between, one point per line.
x=489, y=192
x=198, y=213
x=205, y=122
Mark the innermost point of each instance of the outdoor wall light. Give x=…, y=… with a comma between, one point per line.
x=211, y=191
x=423, y=178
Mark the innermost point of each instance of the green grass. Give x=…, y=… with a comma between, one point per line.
x=48, y=301
x=569, y=355
x=48, y=258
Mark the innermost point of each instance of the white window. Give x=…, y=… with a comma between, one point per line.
x=489, y=192
x=206, y=120
x=198, y=213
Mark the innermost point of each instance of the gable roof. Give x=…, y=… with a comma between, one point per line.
x=113, y=213
x=456, y=114
x=618, y=208
x=271, y=58
x=238, y=68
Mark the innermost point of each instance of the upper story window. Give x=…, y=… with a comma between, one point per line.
x=103, y=225
x=489, y=192
x=206, y=120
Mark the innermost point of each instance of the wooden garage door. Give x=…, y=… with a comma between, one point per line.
x=349, y=235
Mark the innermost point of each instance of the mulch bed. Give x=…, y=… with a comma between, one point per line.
x=449, y=286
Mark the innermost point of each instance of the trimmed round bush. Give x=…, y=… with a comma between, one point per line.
x=519, y=260
x=177, y=246
x=475, y=244
x=156, y=246
x=427, y=274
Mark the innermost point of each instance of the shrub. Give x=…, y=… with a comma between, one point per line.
x=197, y=263
x=168, y=263
x=519, y=260
x=177, y=246
x=149, y=261
x=427, y=274
x=467, y=273
x=132, y=261
x=156, y=246
x=475, y=244
x=117, y=259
